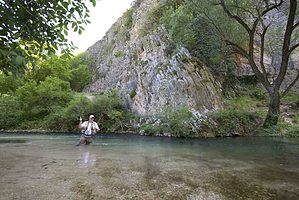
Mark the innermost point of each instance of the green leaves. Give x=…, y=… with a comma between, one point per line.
x=37, y=100
x=176, y=121
x=8, y=84
x=55, y=67
x=40, y=26
x=19, y=60
x=94, y=2
x=191, y=24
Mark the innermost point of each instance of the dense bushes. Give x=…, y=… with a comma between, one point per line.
x=35, y=102
x=9, y=112
x=107, y=108
x=75, y=70
x=46, y=98
x=59, y=110
x=177, y=122
x=196, y=25
x=39, y=100
x=154, y=15
x=238, y=118
x=9, y=83
x=232, y=123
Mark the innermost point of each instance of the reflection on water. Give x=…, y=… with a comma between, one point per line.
x=87, y=160
x=5, y=140
x=136, y=167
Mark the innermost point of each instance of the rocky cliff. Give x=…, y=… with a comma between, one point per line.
x=150, y=71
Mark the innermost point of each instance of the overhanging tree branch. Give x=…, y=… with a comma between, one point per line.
x=296, y=25
x=213, y=23
x=262, y=76
x=237, y=48
x=262, y=50
x=273, y=6
x=237, y=18
x=244, y=10
x=293, y=48
x=291, y=85
x=252, y=26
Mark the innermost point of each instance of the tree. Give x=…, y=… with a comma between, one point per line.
x=55, y=67
x=80, y=73
x=255, y=18
x=30, y=29
x=9, y=83
x=39, y=100
x=195, y=25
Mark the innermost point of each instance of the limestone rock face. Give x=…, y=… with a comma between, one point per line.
x=150, y=71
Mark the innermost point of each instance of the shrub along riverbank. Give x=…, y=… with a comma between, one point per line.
x=50, y=98
x=53, y=105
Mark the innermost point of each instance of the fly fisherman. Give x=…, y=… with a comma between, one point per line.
x=89, y=129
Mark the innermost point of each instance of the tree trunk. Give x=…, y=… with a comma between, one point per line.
x=273, y=109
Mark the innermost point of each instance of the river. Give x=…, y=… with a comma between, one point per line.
x=50, y=166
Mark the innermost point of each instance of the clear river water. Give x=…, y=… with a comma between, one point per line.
x=50, y=166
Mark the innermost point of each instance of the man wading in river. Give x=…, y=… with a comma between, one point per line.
x=89, y=129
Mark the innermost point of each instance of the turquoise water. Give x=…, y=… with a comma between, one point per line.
x=50, y=166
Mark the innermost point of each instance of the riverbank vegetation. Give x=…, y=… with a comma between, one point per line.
x=213, y=31
x=50, y=98
x=46, y=94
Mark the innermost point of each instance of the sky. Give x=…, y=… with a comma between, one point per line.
x=102, y=17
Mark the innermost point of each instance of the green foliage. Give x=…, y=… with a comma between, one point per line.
x=107, y=108
x=283, y=128
x=110, y=111
x=128, y=18
x=243, y=103
x=56, y=66
x=67, y=118
x=174, y=121
x=51, y=106
x=31, y=29
x=152, y=129
x=233, y=86
x=80, y=73
x=81, y=77
x=39, y=100
x=178, y=121
x=73, y=70
x=233, y=122
x=211, y=26
x=118, y=120
x=248, y=85
x=177, y=22
x=32, y=103
x=82, y=58
x=155, y=14
x=43, y=99
x=9, y=112
x=133, y=93
x=198, y=25
x=9, y=83
x=293, y=131
x=119, y=54
x=291, y=99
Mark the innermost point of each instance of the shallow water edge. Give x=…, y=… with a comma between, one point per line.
x=49, y=166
